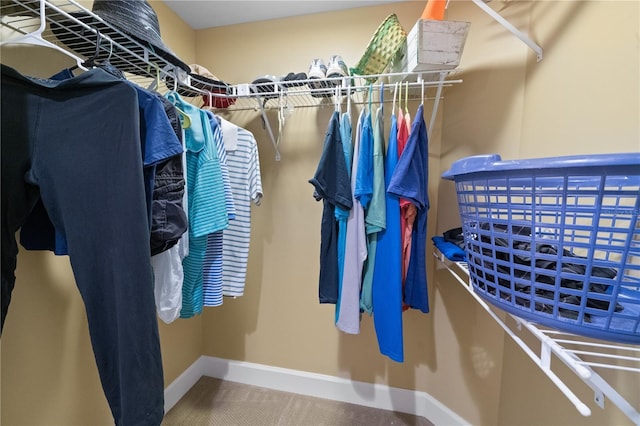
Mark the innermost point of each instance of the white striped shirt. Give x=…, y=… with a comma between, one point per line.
x=243, y=164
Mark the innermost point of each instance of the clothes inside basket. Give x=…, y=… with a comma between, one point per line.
x=514, y=254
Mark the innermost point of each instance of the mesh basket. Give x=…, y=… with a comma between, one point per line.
x=556, y=240
x=382, y=48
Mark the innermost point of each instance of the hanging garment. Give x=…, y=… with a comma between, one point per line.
x=163, y=177
x=375, y=216
x=331, y=183
x=168, y=277
x=167, y=266
x=364, y=171
x=342, y=215
x=168, y=214
x=387, y=277
x=212, y=265
x=243, y=163
x=75, y=143
x=410, y=181
x=405, y=228
x=206, y=202
x=169, y=239
x=407, y=208
x=355, y=251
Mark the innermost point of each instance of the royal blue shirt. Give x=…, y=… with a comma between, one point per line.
x=410, y=181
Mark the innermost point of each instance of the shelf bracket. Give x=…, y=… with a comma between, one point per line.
x=436, y=102
x=267, y=126
x=551, y=346
x=522, y=36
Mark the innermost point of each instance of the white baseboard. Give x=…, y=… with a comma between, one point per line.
x=181, y=385
x=315, y=385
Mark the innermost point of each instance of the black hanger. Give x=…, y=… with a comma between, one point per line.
x=91, y=62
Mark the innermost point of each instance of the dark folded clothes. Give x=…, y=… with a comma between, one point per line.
x=515, y=254
x=450, y=250
x=454, y=236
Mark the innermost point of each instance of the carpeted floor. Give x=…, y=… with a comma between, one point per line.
x=218, y=402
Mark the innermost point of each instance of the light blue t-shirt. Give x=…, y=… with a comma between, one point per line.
x=348, y=319
x=212, y=264
x=207, y=211
x=364, y=174
x=375, y=217
x=342, y=214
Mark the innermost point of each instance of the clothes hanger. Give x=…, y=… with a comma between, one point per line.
x=395, y=92
x=349, y=98
x=157, y=79
x=184, y=118
x=406, y=98
x=106, y=64
x=91, y=62
x=337, y=98
x=155, y=83
x=174, y=98
x=209, y=106
x=281, y=121
x=210, y=96
x=400, y=98
x=110, y=50
x=35, y=38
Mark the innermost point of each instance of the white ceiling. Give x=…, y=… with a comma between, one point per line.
x=201, y=14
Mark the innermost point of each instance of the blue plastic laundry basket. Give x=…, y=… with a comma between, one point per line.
x=556, y=240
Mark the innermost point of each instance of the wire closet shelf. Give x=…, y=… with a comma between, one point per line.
x=584, y=356
x=55, y=24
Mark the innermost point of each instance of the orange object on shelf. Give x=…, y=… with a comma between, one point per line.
x=434, y=10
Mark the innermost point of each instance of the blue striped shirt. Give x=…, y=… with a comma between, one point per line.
x=207, y=205
x=212, y=268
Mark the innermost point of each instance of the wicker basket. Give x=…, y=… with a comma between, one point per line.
x=382, y=48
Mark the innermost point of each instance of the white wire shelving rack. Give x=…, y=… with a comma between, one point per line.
x=286, y=97
x=56, y=24
x=583, y=356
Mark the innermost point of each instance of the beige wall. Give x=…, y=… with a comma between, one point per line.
x=581, y=98
x=508, y=104
x=279, y=320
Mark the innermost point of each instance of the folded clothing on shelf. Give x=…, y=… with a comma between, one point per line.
x=449, y=249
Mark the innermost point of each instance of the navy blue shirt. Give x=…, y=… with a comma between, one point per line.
x=159, y=142
x=333, y=187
